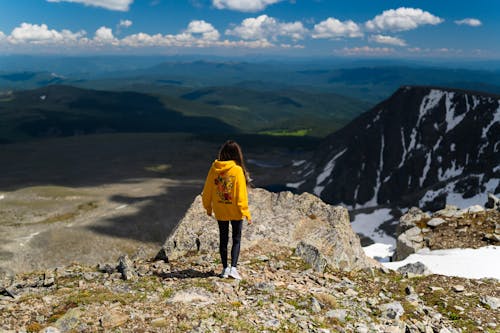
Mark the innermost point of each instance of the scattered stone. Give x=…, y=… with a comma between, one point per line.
x=126, y=268
x=312, y=256
x=448, y=211
x=492, y=302
x=409, y=290
x=475, y=209
x=458, y=288
x=391, y=310
x=161, y=255
x=193, y=295
x=493, y=202
x=262, y=258
x=113, y=319
x=436, y=221
x=339, y=314
x=159, y=322
x=106, y=268
x=414, y=269
x=50, y=329
x=69, y=321
x=315, y=306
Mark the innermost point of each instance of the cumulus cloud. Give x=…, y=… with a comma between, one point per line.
x=41, y=34
x=470, y=22
x=365, y=50
x=402, y=19
x=204, y=29
x=265, y=27
x=243, y=5
x=382, y=39
x=104, y=35
x=125, y=23
x=120, y=5
x=333, y=28
x=2, y=35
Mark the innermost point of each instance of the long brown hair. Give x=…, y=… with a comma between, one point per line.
x=231, y=151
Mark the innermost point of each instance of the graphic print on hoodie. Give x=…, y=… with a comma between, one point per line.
x=224, y=185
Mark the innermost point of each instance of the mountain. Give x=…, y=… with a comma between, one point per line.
x=423, y=146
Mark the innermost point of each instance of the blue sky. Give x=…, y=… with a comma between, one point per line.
x=353, y=28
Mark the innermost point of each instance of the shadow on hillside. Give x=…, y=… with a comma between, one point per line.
x=157, y=217
x=186, y=274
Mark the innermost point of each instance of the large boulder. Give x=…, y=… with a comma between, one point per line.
x=283, y=218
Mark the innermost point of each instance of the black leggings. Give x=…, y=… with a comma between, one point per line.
x=224, y=239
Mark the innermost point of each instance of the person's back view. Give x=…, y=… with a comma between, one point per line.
x=225, y=194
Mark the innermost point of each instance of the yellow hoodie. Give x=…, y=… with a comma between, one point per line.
x=225, y=192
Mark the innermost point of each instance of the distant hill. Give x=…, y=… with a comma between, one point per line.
x=65, y=111
x=423, y=146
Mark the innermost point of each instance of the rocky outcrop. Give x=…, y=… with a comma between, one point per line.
x=447, y=228
x=323, y=231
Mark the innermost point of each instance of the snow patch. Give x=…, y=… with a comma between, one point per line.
x=369, y=226
x=326, y=172
x=496, y=119
x=373, y=201
x=451, y=172
x=380, y=252
x=467, y=263
x=429, y=102
x=298, y=163
x=295, y=185
x=452, y=120
x=427, y=167
x=403, y=144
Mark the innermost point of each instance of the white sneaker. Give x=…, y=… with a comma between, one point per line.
x=234, y=274
x=225, y=272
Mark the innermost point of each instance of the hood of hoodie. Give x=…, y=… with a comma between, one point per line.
x=223, y=166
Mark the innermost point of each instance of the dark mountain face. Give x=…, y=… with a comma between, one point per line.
x=422, y=146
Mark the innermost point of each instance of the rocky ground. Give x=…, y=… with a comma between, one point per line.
x=278, y=293
x=91, y=198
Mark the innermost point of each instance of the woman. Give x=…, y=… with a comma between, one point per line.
x=225, y=193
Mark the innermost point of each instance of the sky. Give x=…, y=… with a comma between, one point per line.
x=354, y=28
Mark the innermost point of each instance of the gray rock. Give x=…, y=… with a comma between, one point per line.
x=50, y=329
x=414, y=269
x=475, y=209
x=408, y=243
x=69, y=320
x=6, y=278
x=281, y=218
x=391, y=310
x=410, y=220
x=493, y=202
x=492, y=302
x=312, y=256
x=434, y=222
x=449, y=211
x=126, y=268
x=315, y=306
x=458, y=288
x=339, y=314
x=196, y=296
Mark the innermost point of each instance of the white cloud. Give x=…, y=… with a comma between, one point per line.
x=243, y=5
x=2, y=35
x=104, y=36
x=125, y=23
x=382, y=39
x=120, y=5
x=402, y=19
x=365, y=50
x=206, y=30
x=265, y=27
x=470, y=22
x=333, y=28
x=41, y=34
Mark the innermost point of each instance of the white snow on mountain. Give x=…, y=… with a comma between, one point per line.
x=326, y=172
x=467, y=263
